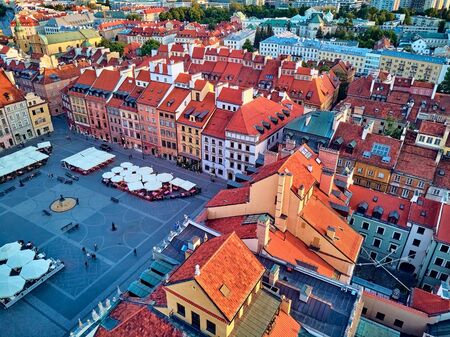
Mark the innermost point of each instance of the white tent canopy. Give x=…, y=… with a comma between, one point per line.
x=88, y=159
x=148, y=177
x=20, y=159
x=164, y=177
x=44, y=145
x=117, y=169
x=184, y=184
x=145, y=170
x=5, y=270
x=134, y=169
x=10, y=286
x=35, y=269
x=132, y=178
x=107, y=175
x=116, y=179
x=9, y=249
x=126, y=164
x=153, y=185
x=21, y=258
x=135, y=186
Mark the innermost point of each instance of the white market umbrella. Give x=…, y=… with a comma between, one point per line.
x=117, y=169
x=145, y=170
x=124, y=173
x=126, y=165
x=135, y=186
x=9, y=249
x=21, y=258
x=132, y=178
x=134, y=169
x=5, y=270
x=153, y=185
x=107, y=175
x=35, y=269
x=164, y=177
x=148, y=177
x=11, y=286
x=116, y=179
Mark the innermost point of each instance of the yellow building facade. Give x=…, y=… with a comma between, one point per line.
x=371, y=176
x=39, y=114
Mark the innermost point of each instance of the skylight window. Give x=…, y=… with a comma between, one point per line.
x=381, y=150
x=224, y=290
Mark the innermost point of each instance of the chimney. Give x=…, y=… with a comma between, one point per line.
x=274, y=274
x=371, y=85
x=366, y=130
x=326, y=181
x=194, y=243
x=434, y=91
x=197, y=270
x=262, y=232
x=331, y=232
x=270, y=157
x=305, y=292
x=247, y=95
x=286, y=305
x=329, y=158
x=308, y=119
x=205, y=238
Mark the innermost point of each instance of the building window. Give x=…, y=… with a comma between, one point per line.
x=376, y=242
x=380, y=316
x=373, y=256
x=416, y=243
x=365, y=225
x=433, y=273
x=364, y=311
x=396, y=236
x=438, y=261
x=392, y=247
x=181, y=310
x=420, y=230
x=444, y=249
x=380, y=230
x=443, y=277
x=210, y=327
x=398, y=323
x=412, y=254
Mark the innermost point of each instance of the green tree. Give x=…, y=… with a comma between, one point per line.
x=195, y=13
x=289, y=26
x=133, y=17
x=392, y=128
x=441, y=28
x=148, y=46
x=113, y=46
x=258, y=38
x=248, y=46
x=444, y=87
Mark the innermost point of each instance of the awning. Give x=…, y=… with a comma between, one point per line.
x=11, y=286
x=133, y=169
x=145, y=170
x=148, y=177
x=44, y=145
x=126, y=164
x=117, y=169
x=242, y=177
x=251, y=169
x=116, y=179
x=233, y=184
x=88, y=159
x=150, y=277
x=5, y=270
x=132, y=178
x=153, y=185
x=161, y=267
x=139, y=289
x=35, y=269
x=107, y=175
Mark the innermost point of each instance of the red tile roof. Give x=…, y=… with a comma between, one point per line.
x=233, y=224
x=320, y=216
x=260, y=110
x=136, y=320
x=443, y=233
x=230, y=95
x=287, y=247
x=417, y=161
x=388, y=202
x=153, y=93
x=425, y=212
x=173, y=101
x=107, y=80
x=217, y=124
x=284, y=326
x=429, y=303
x=207, y=105
x=224, y=261
x=432, y=128
x=360, y=87
x=9, y=94
x=442, y=175
x=183, y=78
x=230, y=197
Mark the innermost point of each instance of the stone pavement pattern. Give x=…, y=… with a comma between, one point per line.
x=53, y=308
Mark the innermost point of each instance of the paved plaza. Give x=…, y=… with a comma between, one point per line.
x=53, y=309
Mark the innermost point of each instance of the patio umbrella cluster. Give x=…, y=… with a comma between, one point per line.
x=17, y=266
x=138, y=179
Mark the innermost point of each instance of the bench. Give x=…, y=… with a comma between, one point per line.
x=70, y=226
x=46, y=212
x=61, y=179
x=115, y=200
x=71, y=176
x=68, y=181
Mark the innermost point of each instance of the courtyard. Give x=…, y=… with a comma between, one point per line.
x=53, y=309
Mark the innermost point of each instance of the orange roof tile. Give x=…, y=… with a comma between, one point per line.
x=174, y=99
x=432, y=128
x=443, y=233
x=284, y=326
x=207, y=105
x=233, y=224
x=230, y=95
x=183, y=78
x=431, y=304
x=9, y=94
x=217, y=124
x=287, y=247
x=320, y=216
x=153, y=93
x=224, y=261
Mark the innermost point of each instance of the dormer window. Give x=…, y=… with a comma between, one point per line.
x=393, y=217
x=362, y=207
x=377, y=212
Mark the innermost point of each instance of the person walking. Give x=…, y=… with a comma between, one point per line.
x=135, y=252
x=78, y=202
x=85, y=264
x=95, y=246
x=83, y=250
x=113, y=227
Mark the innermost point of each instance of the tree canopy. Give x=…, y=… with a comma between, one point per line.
x=248, y=46
x=133, y=17
x=113, y=46
x=444, y=87
x=148, y=46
